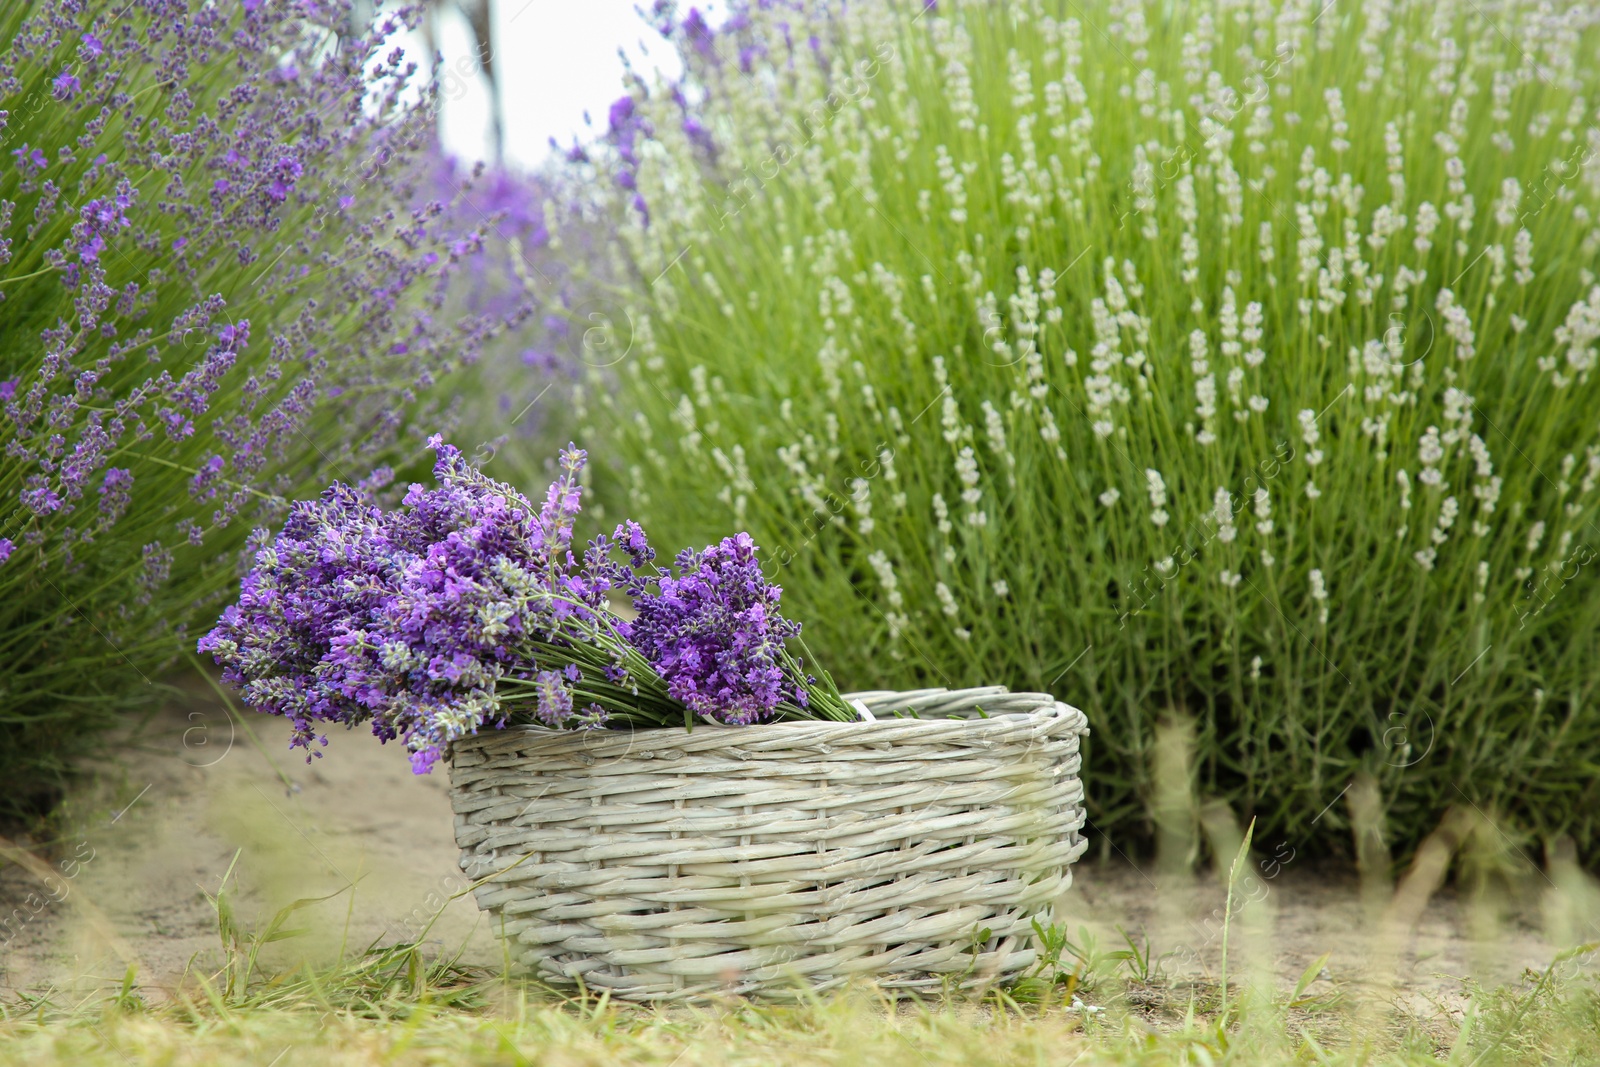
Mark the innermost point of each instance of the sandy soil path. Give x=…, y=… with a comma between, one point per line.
x=162, y=826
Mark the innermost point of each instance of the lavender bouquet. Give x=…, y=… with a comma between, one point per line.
x=470, y=605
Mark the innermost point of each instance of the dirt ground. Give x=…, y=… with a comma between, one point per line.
x=196, y=794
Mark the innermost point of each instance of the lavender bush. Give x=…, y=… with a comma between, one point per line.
x=211, y=296
x=1218, y=360
x=541, y=261
x=469, y=605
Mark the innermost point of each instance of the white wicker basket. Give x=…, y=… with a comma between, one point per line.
x=662, y=864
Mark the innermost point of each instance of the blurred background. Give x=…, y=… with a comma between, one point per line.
x=551, y=69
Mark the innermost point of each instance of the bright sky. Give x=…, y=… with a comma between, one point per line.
x=557, y=58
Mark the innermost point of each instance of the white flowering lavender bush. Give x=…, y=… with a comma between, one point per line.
x=214, y=296
x=1230, y=360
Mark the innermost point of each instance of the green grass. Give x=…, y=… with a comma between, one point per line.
x=392, y=1008
x=1042, y=346
x=1093, y=998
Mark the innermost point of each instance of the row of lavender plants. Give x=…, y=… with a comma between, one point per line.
x=223, y=284
x=1229, y=361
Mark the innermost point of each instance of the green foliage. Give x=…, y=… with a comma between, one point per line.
x=391, y=1007
x=1231, y=361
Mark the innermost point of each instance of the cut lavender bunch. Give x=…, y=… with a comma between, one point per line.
x=469, y=605
x=713, y=631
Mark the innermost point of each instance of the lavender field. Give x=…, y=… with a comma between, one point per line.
x=725, y=517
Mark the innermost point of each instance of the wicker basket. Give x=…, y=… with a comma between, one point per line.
x=662, y=864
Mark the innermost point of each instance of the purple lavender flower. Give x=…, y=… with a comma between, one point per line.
x=697, y=133
x=714, y=633
x=39, y=497
x=201, y=484
x=698, y=31
x=115, y=495
x=29, y=158
x=620, y=112
x=284, y=175
x=415, y=619
x=555, y=697
x=156, y=570
x=64, y=86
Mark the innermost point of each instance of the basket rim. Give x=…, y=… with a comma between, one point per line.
x=1048, y=717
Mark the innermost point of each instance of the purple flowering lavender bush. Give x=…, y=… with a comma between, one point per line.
x=545, y=261
x=214, y=295
x=468, y=605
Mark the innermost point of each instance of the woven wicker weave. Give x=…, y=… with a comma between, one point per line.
x=662, y=864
